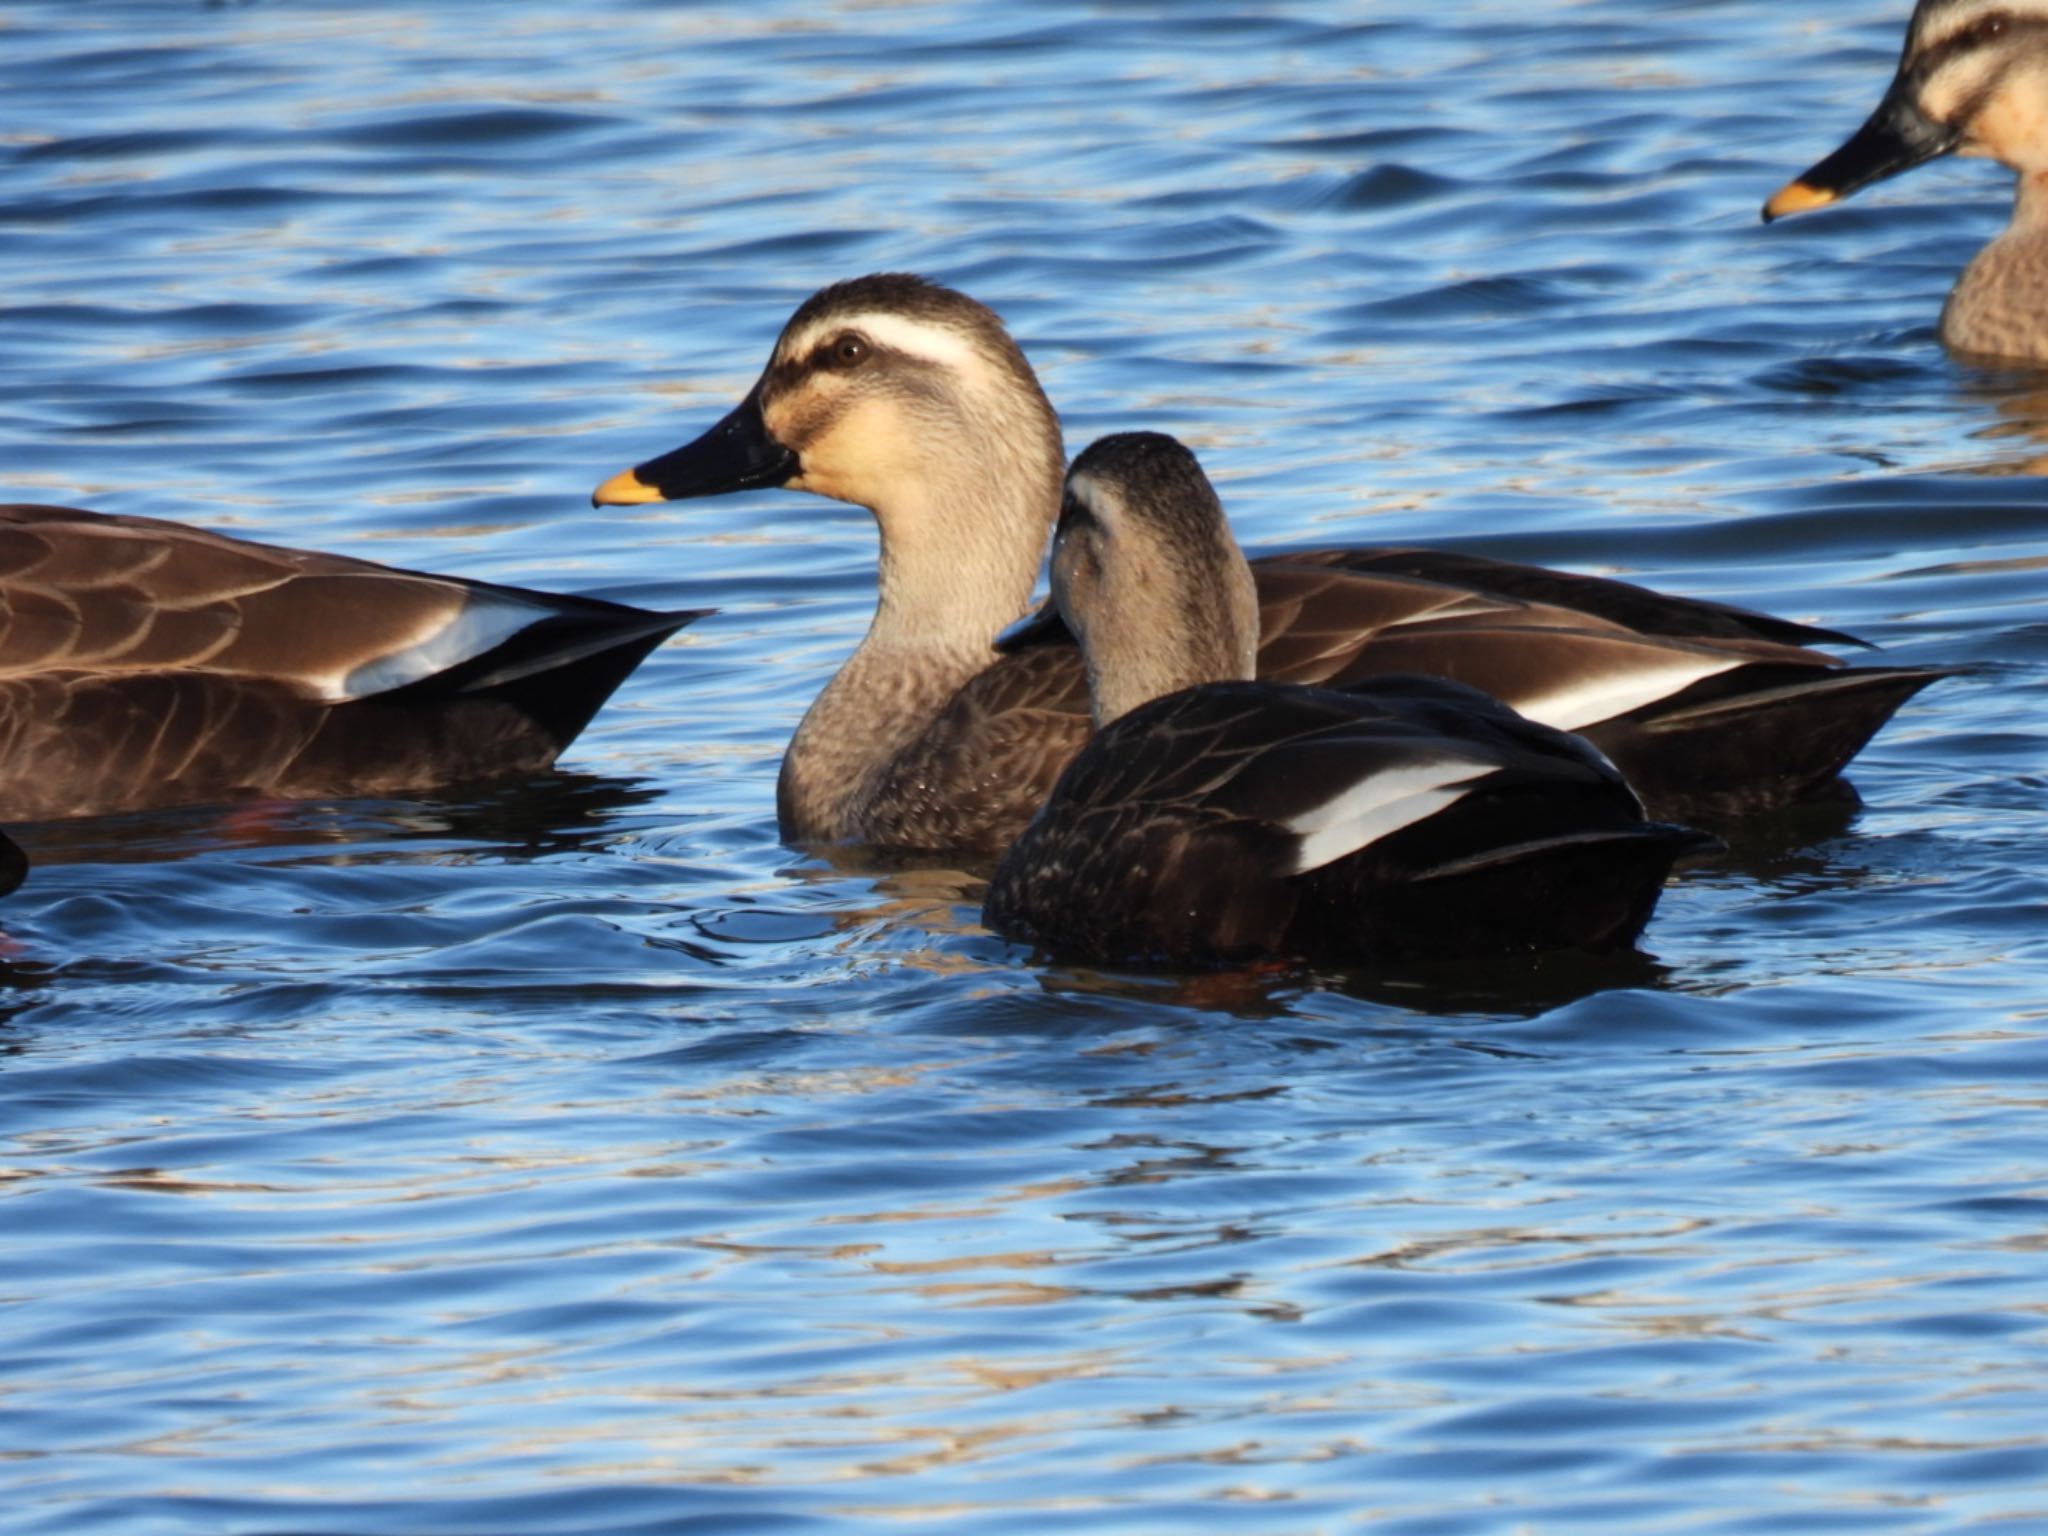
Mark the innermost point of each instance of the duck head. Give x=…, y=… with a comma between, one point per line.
x=912, y=400
x=1147, y=575
x=875, y=386
x=1972, y=80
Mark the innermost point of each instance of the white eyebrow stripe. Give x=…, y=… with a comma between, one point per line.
x=939, y=344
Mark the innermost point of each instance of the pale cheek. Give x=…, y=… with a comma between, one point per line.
x=1940, y=99
x=2014, y=128
x=857, y=455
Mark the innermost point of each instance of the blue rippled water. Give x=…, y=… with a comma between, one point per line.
x=572, y=1157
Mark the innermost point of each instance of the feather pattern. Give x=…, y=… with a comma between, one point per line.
x=1234, y=819
x=1188, y=833
x=910, y=399
x=1741, y=716
x=145, y=663
x=1376, y=806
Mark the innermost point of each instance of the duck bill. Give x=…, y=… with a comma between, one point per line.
x=739, y=454
x=1897, y=137
x=1041, y=626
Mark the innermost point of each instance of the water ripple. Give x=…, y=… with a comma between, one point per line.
x=572, y=1157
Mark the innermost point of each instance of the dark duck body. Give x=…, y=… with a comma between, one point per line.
x=912, y=400
x=146, y=663
x=1214, y=820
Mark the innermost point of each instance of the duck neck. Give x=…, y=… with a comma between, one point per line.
x=1167, y=619
x=1995, y=307
x=1185, y=650
x=2030, y=201
x=958, y=560
x=1121, y=684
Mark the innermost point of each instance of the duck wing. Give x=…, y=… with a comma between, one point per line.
x=1641, y=609
x=146, y=663
x=1241, y=820
x=1704, y=725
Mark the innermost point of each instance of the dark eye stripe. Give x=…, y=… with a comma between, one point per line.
x=1999, y=27
x=1978, y=34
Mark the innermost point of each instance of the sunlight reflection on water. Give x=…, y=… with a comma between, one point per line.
x=572, y=1156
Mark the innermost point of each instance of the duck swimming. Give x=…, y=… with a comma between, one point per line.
x=1972, y=80
x=1214, y=820
x=145, y=663
x=910, y=399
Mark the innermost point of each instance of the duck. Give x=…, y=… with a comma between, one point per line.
x=911, y=399
x=1213, y=820
x=146, y=663
x=13, y=865
x=1972, y=80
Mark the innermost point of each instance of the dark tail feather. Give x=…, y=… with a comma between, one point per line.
x=587, y=665
x=561, y=641
x=1590, y=889
x=1756, y=738
x=1679, y=844
x=1583, y=890
x=559, y=671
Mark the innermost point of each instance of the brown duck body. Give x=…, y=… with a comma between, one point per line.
x=146, y=663
x=1710, y=711
x=912, y=400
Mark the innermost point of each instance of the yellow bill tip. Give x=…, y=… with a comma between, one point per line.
x=625, y=489
x=1796, y=197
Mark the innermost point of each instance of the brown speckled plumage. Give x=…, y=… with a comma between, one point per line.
x=1999, y=306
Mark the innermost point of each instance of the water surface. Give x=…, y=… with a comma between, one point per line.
x=571, y=1157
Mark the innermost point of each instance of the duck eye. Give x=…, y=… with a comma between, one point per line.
x=847, y=351
x=1989, y=29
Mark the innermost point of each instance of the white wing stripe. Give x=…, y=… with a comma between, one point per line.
x=484, y=622
x=1377, y=806
x=1593, y=699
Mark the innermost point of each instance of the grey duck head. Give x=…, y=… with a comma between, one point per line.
x=1147, y=575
